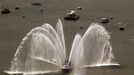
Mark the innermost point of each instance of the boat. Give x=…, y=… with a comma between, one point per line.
x=71, y=17
x=67, y=66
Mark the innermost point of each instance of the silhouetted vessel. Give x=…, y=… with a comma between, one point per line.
x=67, y=66
x=71, y=17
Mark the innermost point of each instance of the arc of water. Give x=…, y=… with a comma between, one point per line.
x=47, y=54
x=59, y=28
x=41, y=43
x=57, y=37
x=93, y=48
x=76, y=53
x=97, y=47
x=57, y=43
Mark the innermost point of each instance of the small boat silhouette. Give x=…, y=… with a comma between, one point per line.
x=67, y=66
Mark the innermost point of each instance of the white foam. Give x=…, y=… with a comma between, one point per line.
x=101, y=65
x=35, y=72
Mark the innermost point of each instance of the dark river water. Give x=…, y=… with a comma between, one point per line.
x=15, y=25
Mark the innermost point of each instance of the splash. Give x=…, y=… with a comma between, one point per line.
x=43, y=50
x=94, y=48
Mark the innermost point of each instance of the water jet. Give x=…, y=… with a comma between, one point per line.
x=43, y=50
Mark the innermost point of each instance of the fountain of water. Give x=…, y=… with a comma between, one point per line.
x=93, y=49
x=43, y=50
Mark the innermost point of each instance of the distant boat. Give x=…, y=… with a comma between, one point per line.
x=71, y=17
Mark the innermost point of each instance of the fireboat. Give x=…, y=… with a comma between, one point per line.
x=67, y=66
